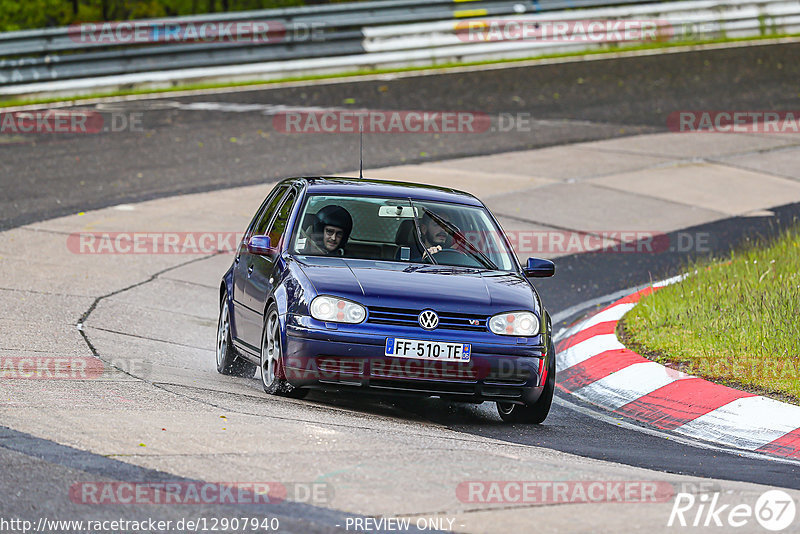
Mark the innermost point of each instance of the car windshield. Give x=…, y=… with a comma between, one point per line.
x=401, y=229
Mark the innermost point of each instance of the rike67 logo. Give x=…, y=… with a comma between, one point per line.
x=774, y=510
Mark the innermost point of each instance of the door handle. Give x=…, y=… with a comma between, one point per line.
x=236, y=260
x=249, y=271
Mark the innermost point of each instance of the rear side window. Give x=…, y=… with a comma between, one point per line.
x=268, y=212
x=278, y=227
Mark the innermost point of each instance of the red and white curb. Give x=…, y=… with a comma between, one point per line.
x=594, y=366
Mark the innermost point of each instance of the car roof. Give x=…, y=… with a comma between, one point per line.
x=339, y=185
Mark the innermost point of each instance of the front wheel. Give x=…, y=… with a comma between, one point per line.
x=537, y=412
x=228, y=361
x=272, y=374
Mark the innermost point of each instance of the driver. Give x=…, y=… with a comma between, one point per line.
x=434, y=237
x=331, y=232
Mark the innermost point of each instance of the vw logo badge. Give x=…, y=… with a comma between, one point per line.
x=428, y=319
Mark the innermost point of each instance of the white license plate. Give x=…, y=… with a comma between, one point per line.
x=427, y=350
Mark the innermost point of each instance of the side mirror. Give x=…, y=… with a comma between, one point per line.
x=539, y=268
x=259, y=244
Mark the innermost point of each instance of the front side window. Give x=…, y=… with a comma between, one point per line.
x=397, y=229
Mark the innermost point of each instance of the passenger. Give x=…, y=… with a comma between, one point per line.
x=330, y=232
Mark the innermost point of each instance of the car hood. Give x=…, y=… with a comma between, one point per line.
x=400, y=285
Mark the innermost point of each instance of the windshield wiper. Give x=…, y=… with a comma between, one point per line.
x=455, y=231
x=425, y=251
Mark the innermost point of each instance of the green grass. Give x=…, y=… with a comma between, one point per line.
x=734, y=321
x=222, y=85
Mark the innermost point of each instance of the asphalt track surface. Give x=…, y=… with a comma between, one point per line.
x=47, y=176
x=182, y=151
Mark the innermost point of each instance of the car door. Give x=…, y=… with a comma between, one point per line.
x=260, y=269
x=244, y=318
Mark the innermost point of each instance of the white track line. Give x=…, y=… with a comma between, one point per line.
x=586, y=349
x=627, y=385
x=748, y=423
x=617, y=421
x=613, y=313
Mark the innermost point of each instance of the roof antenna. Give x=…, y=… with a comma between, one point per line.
x=361, y=150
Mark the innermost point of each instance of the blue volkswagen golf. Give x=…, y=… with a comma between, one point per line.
x=402, y=288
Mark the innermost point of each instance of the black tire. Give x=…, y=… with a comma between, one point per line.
x=228, y=360
x=273, y=379
x=537, y=412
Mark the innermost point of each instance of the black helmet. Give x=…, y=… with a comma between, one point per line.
x=334, y=216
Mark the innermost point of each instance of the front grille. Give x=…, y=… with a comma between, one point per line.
x=409, y=317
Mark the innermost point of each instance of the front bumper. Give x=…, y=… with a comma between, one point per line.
x=348, y=358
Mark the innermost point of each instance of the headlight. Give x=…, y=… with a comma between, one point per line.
x=518, y=323
x=337, y=310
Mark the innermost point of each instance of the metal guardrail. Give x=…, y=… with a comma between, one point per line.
x=696, y=19
x=358, y=35
x=61, y=53
x=338, y=22
x=345, y=15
